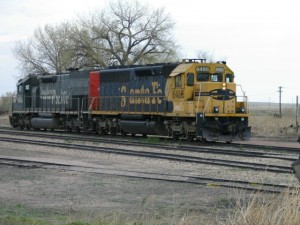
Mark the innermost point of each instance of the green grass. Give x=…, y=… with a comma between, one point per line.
x=20, y=214
x=145, y=214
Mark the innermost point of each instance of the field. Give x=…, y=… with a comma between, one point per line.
x=40, y=196
x=266, y=123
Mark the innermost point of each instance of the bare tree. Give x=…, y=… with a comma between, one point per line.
x=125, y=33
x=209, y=56
x=6, y=102
x=47, y=51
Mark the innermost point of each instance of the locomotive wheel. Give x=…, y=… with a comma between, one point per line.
x=113, y=132
x=176, y=136
x=77, y=130
x=190, y=137
x=100, y=131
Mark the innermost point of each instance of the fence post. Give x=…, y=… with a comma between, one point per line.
x=297, y=113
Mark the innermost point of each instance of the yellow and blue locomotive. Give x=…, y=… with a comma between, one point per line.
x=188, y=100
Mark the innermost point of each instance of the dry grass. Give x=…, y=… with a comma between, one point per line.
x=4, y=119
x=268, y=126
x=282, y=209
x=264, y=124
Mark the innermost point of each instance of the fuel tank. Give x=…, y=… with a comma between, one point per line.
x=45, y=123
x=143, y=127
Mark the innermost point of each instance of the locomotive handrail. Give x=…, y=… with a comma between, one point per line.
x=129, y=103
x=198, y=101
x=244, y=93
x=52, y=104
x=206, y=106
x=92, y=102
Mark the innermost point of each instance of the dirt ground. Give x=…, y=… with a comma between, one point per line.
x=88, y=196
x=61, y=196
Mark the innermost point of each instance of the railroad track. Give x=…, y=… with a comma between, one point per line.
x=265, y=147
x=166, y=140
x=197, y=180
x=267, y=153
x=157, y=155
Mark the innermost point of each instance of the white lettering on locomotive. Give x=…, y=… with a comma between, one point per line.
x=63, y=98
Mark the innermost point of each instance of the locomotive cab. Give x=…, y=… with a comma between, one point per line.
x=23, y=98
x=207, y=93
x=24, y=102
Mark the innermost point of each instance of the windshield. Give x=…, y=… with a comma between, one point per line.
x=209, y=77
x=216, y=78
x=202, y=77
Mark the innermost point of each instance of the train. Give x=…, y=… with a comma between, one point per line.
x=191, y=99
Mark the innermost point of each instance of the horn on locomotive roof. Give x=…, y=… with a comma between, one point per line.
x=193, y=60
x=222, y=62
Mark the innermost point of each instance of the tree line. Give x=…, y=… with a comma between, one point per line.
x=122, y=33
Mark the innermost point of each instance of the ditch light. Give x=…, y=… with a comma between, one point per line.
x=296, y=167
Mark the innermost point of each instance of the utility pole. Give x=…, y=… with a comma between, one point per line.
x=280, y=91
x=297, y=113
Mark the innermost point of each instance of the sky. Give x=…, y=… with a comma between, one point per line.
x=259, y=39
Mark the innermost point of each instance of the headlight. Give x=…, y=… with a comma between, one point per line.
x=224, y=86
x=242, y=109
x=216, y=109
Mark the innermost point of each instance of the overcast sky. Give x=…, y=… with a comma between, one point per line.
x=260, y=39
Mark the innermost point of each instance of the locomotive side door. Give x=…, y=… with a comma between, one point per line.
x=177, y=92
x=27, y=95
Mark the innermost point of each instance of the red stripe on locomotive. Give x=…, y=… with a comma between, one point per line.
x=94, y=90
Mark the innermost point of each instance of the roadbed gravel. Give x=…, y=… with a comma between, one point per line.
x=90, y=195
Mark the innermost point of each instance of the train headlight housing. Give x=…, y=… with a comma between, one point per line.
x=242, y=109
x=242, y=119
x=216, y=109
x=224, y=86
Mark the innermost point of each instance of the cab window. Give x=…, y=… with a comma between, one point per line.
x=216, y=78
x=202, y=77
x=190, y=79
x=178, y=81
x=229, y=78
x=20, y=89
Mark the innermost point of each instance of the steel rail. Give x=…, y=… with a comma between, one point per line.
x=198, y=180
x=200, y=149
x=164, y=156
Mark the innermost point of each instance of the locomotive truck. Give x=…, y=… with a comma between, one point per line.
x=190, y=100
